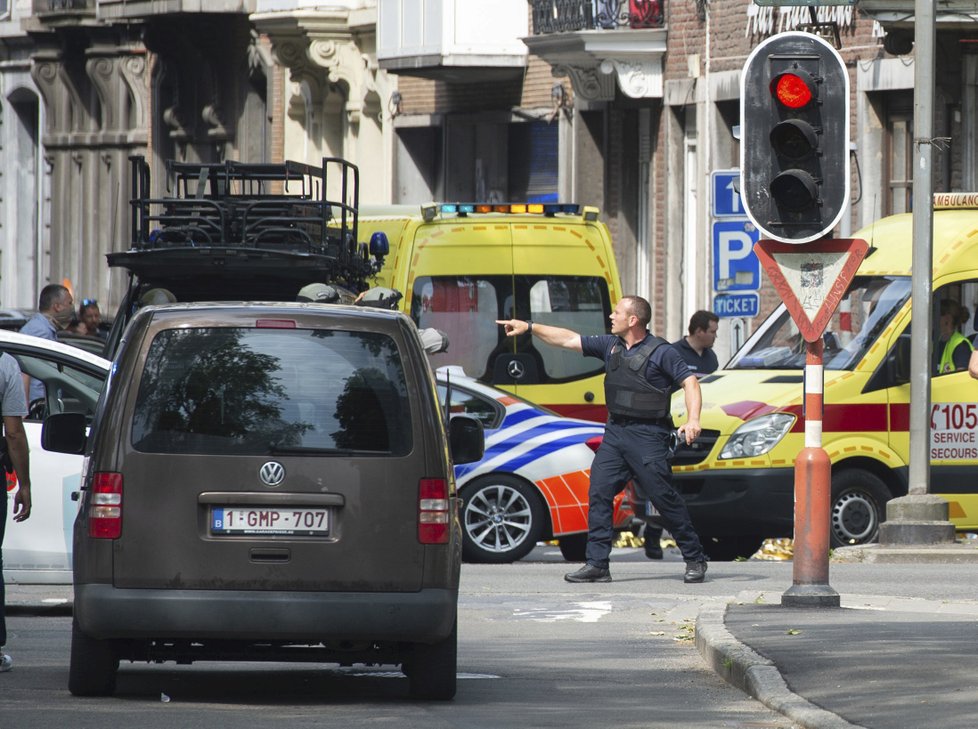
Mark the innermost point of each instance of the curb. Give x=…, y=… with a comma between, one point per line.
x=755, y=675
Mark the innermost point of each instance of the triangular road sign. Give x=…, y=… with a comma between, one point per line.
x=811, y=278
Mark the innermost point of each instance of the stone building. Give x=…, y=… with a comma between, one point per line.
x=628, y=105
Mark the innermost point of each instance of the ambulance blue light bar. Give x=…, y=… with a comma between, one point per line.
x=429, y=212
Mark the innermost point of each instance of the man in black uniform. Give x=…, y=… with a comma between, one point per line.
x=641, y=371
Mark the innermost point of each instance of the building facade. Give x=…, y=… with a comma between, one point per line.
x=628, y=105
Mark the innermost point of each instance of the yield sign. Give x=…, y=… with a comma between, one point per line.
x=811, y=278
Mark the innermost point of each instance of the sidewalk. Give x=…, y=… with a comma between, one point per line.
x=34, y=599
x=875, y=662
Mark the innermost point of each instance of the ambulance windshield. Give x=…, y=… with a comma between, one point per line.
x=466, y=309
x=864, y=312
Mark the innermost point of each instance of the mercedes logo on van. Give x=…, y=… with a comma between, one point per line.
x=272, y=473
x=516, y=369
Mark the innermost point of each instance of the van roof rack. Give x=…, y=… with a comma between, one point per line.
x=275, y=213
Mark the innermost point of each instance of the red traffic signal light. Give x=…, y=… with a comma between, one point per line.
x=795, y=137
x=792, y=90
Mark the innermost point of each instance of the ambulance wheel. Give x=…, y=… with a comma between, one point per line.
x=857, y=509
x=502, y=519
x=573, y=547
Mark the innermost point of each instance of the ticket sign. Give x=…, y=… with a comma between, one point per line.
x=736, y=305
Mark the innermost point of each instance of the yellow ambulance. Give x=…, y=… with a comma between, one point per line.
x=738, y=477
x=462, y=266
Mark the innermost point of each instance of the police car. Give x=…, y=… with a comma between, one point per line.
x=532, y=483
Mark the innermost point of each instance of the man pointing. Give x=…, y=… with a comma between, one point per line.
x=641, y=372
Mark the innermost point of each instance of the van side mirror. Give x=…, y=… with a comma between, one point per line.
x=65, y=433
x=466, y=439
x=379, y=245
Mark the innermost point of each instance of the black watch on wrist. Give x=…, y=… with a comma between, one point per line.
x=529, y=327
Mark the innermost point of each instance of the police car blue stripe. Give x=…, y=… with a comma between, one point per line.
x=522, y=459
x=501, y=440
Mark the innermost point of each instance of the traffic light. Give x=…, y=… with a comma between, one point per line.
x=794, y=137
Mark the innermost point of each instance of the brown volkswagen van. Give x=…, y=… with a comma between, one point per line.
x=267, y=482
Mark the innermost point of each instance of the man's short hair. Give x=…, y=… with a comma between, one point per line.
x=640, y=308
x=50, y=295
x=701, y=320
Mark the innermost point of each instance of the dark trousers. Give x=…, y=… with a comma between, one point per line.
x=3, y=527
x=639, y=451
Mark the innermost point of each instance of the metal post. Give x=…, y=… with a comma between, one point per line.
x=923, y=232
x=920, y=517
x=813, y=486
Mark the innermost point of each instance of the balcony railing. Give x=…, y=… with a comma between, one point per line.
x=54, y=7
x=561, y=16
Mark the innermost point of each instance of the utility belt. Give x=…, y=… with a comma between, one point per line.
x=664, y=422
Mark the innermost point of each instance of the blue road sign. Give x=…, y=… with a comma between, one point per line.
x=741, y=305
x=726, y=194
x=735, y=265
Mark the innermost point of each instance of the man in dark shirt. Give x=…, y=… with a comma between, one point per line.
x=697, y=350
x=697, y=347
x=641, y=372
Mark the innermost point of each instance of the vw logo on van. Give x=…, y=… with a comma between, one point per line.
x=516, y=369
x=272, y=473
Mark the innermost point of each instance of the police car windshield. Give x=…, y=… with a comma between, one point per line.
x=864, y=312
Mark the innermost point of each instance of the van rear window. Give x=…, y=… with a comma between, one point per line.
x=243, y=391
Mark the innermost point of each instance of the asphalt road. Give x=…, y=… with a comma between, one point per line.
x=534, y=651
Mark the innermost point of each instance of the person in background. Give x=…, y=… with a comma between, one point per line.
x=697, y=349
x=973, y=364
x=89, y=318
x=641, y=372
x=55, y=309
x=953, y=348
x=13, y=408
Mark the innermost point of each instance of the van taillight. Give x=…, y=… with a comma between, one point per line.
x=105, y=512
x=433, y=516
x=595, y=442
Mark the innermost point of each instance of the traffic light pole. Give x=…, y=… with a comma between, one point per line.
x=813, y=486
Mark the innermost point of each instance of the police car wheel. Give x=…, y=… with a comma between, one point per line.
x=502, y=519
x=857, y=509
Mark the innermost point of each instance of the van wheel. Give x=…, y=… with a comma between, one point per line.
x=858, y=507
x=431, y=669
x=502, y=519
x=93, y=665
x=573, y=547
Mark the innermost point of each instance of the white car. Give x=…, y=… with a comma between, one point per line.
x=39, y=550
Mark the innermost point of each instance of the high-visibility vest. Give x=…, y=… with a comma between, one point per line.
x=947, y=357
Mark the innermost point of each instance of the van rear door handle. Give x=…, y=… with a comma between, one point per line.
x=278, y=556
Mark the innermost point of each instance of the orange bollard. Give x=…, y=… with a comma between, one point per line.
x=813, y=489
